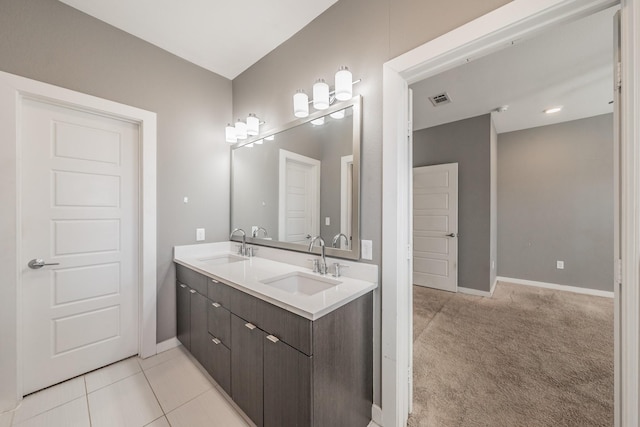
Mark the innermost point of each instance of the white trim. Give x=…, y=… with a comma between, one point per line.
x=14, y=88
x=515, y=20
x=493, y=285
x=167, y=345
x=285, y=156
x=476, y=292
x=345, y=218
x=376, y=415
x=557, y=287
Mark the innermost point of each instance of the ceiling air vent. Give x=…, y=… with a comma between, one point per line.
x=440, y=99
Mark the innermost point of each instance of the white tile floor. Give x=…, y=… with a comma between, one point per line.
x=166, y=390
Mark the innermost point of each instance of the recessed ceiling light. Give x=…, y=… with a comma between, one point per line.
x=553, y=110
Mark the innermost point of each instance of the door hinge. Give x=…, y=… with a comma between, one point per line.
x=409, y=128
x=618, y=75
x=409, y=252
x=619, y=272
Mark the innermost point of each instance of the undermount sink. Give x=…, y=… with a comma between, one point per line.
x=222, y=259
x=299, y=282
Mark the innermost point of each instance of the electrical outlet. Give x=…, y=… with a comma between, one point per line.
x=327, y=221
x=254, y=230
x=185, y=200
x=560, y=265
x=199, y=234
x=367, y=249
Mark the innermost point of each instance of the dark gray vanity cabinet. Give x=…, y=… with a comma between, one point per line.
x=282, y=369
x=247, y=368
x=183, y=314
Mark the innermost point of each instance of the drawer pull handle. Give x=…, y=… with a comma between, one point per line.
x=216, y=341
x=215, y=304
x=214, y=281
x=192, y=291
x=250, y=326
x=183, y=286
x=272, y=338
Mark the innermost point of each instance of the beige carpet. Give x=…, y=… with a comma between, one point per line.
x=525, y=357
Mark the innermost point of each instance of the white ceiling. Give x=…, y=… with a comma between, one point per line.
x=225, y=37
x=571, y=66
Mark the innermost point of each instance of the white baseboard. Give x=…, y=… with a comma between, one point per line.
x=557, y=287
x=167, y=345
x=475, y=292
x=493, y=285
x=376, y=416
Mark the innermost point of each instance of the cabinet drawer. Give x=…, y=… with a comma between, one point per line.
x=218, y=363
x=288, y=327
x=192, y=279
x=219, y=292
x=219, y=322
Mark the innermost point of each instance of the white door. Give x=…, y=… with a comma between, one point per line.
x=435, y=226
x=79, y=212
x=299, y=197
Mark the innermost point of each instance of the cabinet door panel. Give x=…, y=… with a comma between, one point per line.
x=219, y=322
x=247, y=368
x=199, y=334
x=287, y=386
x=218, y=363
x=183, y=314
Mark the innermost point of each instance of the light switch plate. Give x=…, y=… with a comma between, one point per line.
x=199, y=234
x=367, y=249
x=327, y=221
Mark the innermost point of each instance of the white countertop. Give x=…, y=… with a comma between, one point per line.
x=247, y=276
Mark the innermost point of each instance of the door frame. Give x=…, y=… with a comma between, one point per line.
x=491, y=32
x=285, y=156
x=13, y=89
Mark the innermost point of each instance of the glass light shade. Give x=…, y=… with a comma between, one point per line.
x=260, y=141
x=320, y=95
x=337, y=114
x=249, y=145
x=241, y=129
x=300, y=104
x=318, y=122
x=270, y=138
x=344, y=84
x=253, y=125
x=230, y=133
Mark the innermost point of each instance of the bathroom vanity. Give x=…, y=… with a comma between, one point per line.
x=290, y=347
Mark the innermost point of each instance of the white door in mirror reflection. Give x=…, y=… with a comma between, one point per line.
x=435, y=226
x=346, y=199
x=299, y=197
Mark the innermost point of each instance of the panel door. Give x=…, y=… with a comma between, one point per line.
x=247, y=368
x=198, y=332
x=79, y=179
x=435, y=226
x=183, y=314
x=287, y=385
x=299, y=194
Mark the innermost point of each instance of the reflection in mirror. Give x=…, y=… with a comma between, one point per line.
x=301, y=183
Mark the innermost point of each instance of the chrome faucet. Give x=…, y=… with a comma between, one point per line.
x=257, y=230
x=243, y=248
x=336, y=239
x=322, y=266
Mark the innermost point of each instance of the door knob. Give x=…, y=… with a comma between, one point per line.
x=451, y=235
x=37, y=263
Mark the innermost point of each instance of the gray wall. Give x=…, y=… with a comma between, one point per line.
x=362, y=34
x=468, y=143
x=555, y=202
x=493, y=244
x=48, y=41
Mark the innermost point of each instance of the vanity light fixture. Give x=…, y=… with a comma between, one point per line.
x=320, y=95
x=553, y=110
x=318, y=122
x=300, y=104
x=241, y=130
x=323, y=96
x=337, y=115
x=344, y=84
x=230, y=133
x=253, y=125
